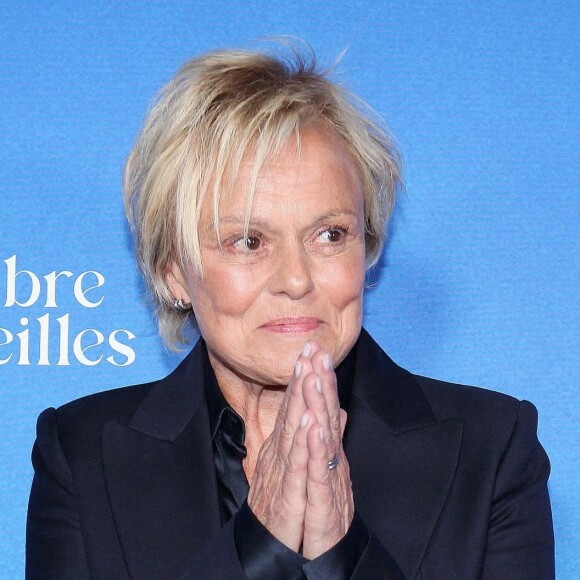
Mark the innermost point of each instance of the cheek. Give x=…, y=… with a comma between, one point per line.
x=224, y=291
x=344, y=291
x=344, y=282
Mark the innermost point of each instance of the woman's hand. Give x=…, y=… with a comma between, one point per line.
x=293, y=493
x=330, y=504
x=277, y=495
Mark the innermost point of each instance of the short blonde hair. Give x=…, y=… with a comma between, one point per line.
x=220, y=108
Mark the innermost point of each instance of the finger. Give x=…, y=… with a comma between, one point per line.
x=322, y=364
x=329, y=507
x=289, y=416
x=318, y=486
x=316, y=402
x=321, y=518
x=277, y=494
x=310, y=348
x=343, y=419
x=293, y=405
x=294, y=479
x=307, y=350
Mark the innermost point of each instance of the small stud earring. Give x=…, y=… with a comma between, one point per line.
x=181, y=305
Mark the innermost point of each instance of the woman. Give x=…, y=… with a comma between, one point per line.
x=287, y=444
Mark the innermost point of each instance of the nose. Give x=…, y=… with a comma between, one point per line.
x=292, y=274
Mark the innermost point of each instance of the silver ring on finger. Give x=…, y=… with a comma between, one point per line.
x=333, y=463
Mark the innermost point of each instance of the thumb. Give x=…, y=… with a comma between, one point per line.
x=343, y=418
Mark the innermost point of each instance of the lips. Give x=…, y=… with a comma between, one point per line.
x=292, y=325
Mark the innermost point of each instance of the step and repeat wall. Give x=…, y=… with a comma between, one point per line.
x=479, y=282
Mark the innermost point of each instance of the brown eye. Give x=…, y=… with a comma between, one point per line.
x=252, y=243
x=334, y=236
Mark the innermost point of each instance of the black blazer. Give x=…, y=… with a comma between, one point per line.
x=451, y=481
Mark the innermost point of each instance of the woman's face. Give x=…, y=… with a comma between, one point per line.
x=298, y=275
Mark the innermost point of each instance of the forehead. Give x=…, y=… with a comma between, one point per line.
x=314, y=172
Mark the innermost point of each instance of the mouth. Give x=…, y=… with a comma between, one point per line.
x=292, y=325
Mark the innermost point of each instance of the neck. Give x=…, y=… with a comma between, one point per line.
x=256, y=404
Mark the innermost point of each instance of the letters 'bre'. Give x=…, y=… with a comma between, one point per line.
x=25, y=289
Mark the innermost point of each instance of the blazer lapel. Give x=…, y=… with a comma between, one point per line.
x=166, y=446
x=402, y=460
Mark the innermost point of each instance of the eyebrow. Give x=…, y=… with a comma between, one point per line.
x=237, y=220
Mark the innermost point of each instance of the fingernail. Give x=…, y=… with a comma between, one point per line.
x=321, y=433
x=297, y=369
x=305, y=419
x=306, y=349
x=327, y=362
x=319, y=385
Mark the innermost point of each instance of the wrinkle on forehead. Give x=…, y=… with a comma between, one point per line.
x=256, y=178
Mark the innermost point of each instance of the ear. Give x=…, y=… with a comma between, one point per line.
x=176, y=283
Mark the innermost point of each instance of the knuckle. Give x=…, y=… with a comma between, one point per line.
x=335, y=423
x=290, y=468
x=287, y=431
x=310, y=379
x=299, y=442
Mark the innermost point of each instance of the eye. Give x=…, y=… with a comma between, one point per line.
x=333, y=235
x=249, y=243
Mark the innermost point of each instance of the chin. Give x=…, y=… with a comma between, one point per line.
x=283, y=366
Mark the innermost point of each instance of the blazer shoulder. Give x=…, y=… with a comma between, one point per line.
x=405, y=399
x=473, y=404
x=114, y=404
x=492, y=421
x=79, y=423
x=452, y=399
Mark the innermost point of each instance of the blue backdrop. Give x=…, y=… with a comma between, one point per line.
x=479, y=283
